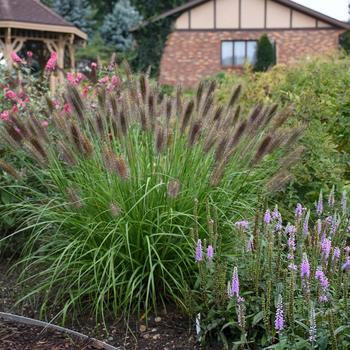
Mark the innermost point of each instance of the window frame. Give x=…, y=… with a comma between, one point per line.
x=233, y=51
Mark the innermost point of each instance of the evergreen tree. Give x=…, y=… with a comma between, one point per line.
x=116, y=26
x=265, y=54
x=77, y=12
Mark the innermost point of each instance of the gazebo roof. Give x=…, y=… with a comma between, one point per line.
x=33, y=15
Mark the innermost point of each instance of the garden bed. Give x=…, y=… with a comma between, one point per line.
x=20, y=336
x=167, y=331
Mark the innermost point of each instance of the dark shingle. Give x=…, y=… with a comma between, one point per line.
x=30, y=11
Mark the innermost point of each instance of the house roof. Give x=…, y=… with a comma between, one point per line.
x=194, y=3
x=32, y=14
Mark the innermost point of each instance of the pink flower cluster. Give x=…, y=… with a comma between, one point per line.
x=15, y=58
x=52, y=62
x=75, y=79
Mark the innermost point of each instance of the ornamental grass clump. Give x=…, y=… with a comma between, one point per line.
x=289, y=283
x=121, y=169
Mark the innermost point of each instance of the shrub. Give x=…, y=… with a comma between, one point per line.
x=265, y=54
x=282, y=287
x=21, y=93
x=121, y=171
x=316, y=89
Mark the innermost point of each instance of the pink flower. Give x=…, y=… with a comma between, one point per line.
x=86, y=91
x=115, y=80
x=93, y=65
x=15, y=58
x=56, y=104
x=21, y=103
x=11, y=95
x=52, y=62
x=70, y=78
x=67, y=108
x=45, y=123
x=104, y=80
x=75, y=79
x=79, y=78
x=5, y=116
x=29, y=54
x=14, y=108
x=18, y=130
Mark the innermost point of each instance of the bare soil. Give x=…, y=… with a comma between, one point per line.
x=169, y=330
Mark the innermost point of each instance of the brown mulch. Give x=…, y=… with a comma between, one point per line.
x=169, y=330
x=17, y=336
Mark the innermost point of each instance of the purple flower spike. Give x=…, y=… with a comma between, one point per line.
x=299, y=211
x=334, y=226
x=306, y=224
x=210, y=252
x=243, y=225
x=312, y=329
x=319, y=206
x=267, y=217
x=324, y=283
x=235, y=284
x=326, y=246
x=279, y=321
x=199, y=251
x=250, y=244
x=336, y=253
x=305, y=267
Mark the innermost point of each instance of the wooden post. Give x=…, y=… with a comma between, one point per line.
x=71, y=49
x=8, y=47
x=60, y=58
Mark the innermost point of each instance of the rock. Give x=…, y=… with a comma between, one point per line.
x=143, y=328
x=156, y=337
x=158, y=319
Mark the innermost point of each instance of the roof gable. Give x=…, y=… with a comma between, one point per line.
x=29, y=11
x=33, y=15
x=302, y=10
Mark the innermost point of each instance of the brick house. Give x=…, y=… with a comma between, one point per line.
x=210, y=36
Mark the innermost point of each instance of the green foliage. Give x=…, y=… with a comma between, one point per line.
x=345, y=41
x=317, y=92
x=95, y=48
x=124, y=174
x=77, y=12
x=117, y=25
x=265, y=54
x=291, y=264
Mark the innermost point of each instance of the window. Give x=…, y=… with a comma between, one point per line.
x=236, y=53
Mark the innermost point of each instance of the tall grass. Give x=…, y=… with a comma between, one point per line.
x=125, y=174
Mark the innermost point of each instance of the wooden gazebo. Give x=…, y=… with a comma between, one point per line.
x=24, y=20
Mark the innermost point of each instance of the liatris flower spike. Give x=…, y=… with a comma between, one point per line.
x=267, y=217
x=210, y=252
x=299, y=211
x=243, y=225
x=279, y=321
x=199, y=251
x=305, y=267
x=312, y=328
x=234, y=290
x=319, y=206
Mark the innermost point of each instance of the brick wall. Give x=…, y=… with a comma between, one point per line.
x=190, y=56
